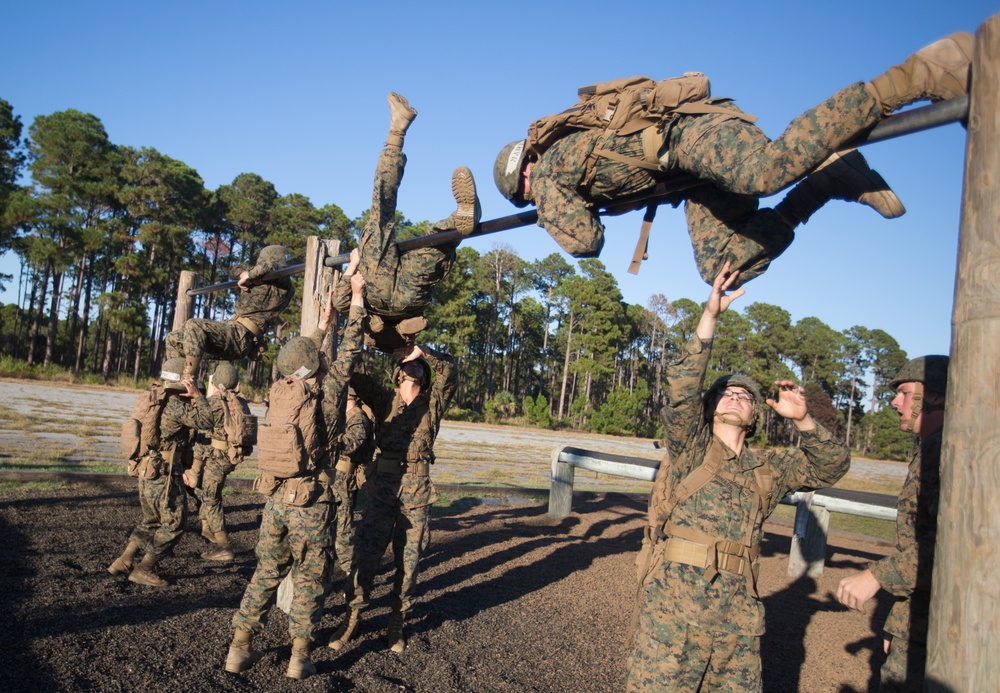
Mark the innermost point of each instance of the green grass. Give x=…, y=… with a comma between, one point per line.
x=23, y=487
x=880, y=529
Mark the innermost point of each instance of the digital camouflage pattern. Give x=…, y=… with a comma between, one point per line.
x=357, y=445
x=906, y=574
x=298, y=539
x=228, y=339
x=397, y=284
x=735, y=156
x=163, y=499
x=399, y=503
x=216, y=466
x=678, y=598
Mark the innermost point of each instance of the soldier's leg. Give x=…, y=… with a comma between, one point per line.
x=171, y=503
x=738, y=157
x=420, y=271
x=343, y=526
x=311, y=547
x=406, y=550
x=212, y=482
x=667, y=654
x=725, y=227
x=735, y=664
x=143, y=533
x=274, y=560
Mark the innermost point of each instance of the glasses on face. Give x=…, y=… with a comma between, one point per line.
x=738, y=395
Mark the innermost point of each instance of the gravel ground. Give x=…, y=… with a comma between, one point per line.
x=509, y=601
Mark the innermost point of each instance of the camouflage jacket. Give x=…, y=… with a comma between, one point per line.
x=407, y=431
x=907, y=573
x=264, y=302
x=180, y=419
x=565, y=200
x=332, y=387
x=357, y=441
x=722, y=508
x=203, y=441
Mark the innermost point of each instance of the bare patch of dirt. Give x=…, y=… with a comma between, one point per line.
x=509, y=601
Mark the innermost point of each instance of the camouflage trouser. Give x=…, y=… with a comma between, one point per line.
x=743, y=165
x=398, y=510
x=164, y=512
x=396, y=284
x=671, y=655
x=344, y=495
x=213, y=479
x=903, y=670
x=226, y=340
x=291, y=539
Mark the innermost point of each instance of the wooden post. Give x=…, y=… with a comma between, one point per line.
x=964, y=639
x=184, y=309
x=316, y=284
x=808, y=551
x=560, y=487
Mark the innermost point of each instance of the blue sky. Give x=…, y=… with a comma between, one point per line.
x=296, y=93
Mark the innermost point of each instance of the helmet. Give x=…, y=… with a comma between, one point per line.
x=738, y=380
x=276, y=255
x=931, y=370
x=425, y=376
x=507, y=171
x=170, y=373
x=298, y=359
x=225, y=377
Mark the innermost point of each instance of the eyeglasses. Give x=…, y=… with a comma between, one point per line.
x=738, y=396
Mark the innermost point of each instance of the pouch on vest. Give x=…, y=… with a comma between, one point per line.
x=280, y=450
x=141, y=431
x=301, y=491
x=266, y=484
x=240, y=426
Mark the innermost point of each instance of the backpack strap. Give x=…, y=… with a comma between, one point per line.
x=641, y=251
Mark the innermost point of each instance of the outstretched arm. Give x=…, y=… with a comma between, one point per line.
x=718, y=302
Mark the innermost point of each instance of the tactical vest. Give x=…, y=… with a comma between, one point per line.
x=289, y=431
x=141, y=431
x=240, y=427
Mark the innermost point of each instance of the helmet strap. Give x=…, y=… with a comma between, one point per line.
x=918, y=407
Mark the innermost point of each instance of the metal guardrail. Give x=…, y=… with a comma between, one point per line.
x=566, y=459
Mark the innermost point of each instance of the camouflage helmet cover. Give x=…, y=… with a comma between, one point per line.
x=507, y=171
x=298, y=359
x=225, y=376
x=277, y=255
x=738, y=380
x=170, y=373
x=930, y=370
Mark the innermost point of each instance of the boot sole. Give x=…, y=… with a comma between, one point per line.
x=463, y=187
x=880, y=196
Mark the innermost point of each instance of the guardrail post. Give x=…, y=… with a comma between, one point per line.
x=560, y=487
x=808, y=551
x=184, y=310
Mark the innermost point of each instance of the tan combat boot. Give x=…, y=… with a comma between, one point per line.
x=222, y=551
x=207, y=533
x=463, y=187
x=241, y=654
x=300, y=666
x=347, y=629
x=394, y=633
x=939, y=71
x=145, y=573
x=400, y=117
x=123, y=564
x=191, y=365
x=844, y=176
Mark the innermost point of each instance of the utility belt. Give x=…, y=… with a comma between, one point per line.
x=250, y=326
x=690, y=547
x=395, y=465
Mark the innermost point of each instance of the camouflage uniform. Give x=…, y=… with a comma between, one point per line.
x=400, y=491
x=163, y=499
x=397, y=284
x=354, y=452
x=215, y=465
x=256, y=312
x=695, y=631
x=297, y=538
x=735, y=156
x=907, y=574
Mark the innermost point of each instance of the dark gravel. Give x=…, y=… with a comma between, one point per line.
x=509, y=601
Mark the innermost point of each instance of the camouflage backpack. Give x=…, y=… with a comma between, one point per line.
x=240, y=426
x=141, y=431
x=288, y=440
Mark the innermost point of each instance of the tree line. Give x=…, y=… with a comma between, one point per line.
x=102, y=232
